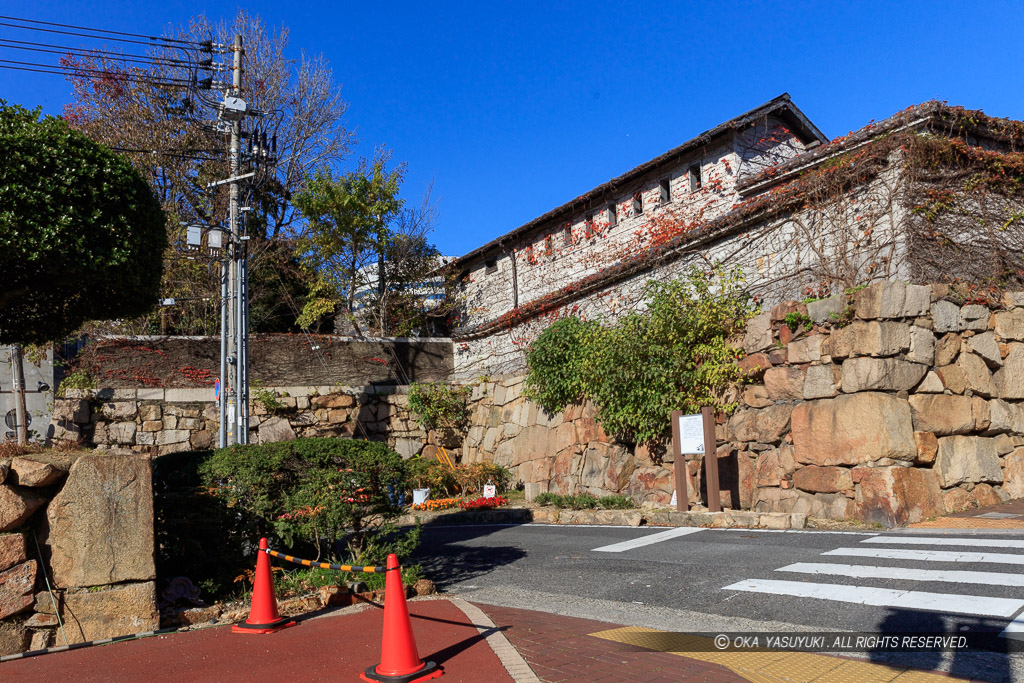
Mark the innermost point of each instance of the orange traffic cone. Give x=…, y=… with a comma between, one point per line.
x=399, y=662
x=263, y=616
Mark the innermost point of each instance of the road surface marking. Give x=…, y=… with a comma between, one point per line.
x=1015, y=629
x=858, y=571
x=885, y=597
x=648, y=540
x=928, y=555
x=931, y=540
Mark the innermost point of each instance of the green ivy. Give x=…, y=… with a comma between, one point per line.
x=675, y=354
x=795, y=320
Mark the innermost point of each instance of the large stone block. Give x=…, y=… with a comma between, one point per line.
x=825, y=310
x=17, y=588
x=880, y=374
x=816, y=479
x=17, y=505
x=922, y=346
x=763, y=426
x=274, y=429
x=12, y=550
x=101, y=522
x=71, y=410
x=116, y=611
x=967, y=459
x=1009, y=379
x=14, y=638
x=820, y=382
x=892, y=496
x=758, y=335
x=1013, y=474
x=952, y=377
x=870, y=339
x=172, y=436
x=1009, y=325
x=804, y=350
x=853, y=429
x=977, y=375
x=986, y=347
x=946, y=316
x=942, y=414
x=33, y=473
x=654, y=484
x=974, y=317
x=772, y=465
x=784, y=383
x=947, y=348
x=892, y=300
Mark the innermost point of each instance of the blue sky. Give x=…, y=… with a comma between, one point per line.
x=513, y=108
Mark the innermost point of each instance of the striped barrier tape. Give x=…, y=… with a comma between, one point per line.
x=325, y=565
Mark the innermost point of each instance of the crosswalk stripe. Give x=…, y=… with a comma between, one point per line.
x=1014, y=630
x=648, y=540
x=885, y=597
x=930, y=540
x=928, y=555
x=859, y=571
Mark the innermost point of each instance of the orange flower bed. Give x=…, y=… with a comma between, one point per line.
x=439, y=504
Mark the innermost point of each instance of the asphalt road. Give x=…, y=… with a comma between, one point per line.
x=711, y=580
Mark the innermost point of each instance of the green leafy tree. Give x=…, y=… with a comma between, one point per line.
x=82, y=232
x=348, y=238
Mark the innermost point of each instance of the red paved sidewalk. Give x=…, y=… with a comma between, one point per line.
x=334, y=647
x=560, y=650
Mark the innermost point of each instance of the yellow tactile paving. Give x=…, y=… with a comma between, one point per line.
x=770, y=666
x=969, y=523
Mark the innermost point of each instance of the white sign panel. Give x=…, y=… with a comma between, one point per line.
x=489, y=491
x=691, y=433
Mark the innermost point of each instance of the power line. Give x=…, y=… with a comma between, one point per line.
x=97, y=30
x=64, y=50
x=169, y=82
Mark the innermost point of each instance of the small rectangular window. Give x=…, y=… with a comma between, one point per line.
x=611, y=213
x=568, y=234
x=588, y=225
x=665, y=191
x=638, y=203
x=530, y=256
x=549, y=245
x=491, y=267
x=695, y=181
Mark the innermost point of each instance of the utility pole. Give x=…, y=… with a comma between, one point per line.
x=233, y=404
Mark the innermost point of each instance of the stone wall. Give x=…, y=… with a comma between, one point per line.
x=898, y=404
x=93, y=518
x=161, y=421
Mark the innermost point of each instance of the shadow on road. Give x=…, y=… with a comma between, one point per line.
x=986, y=658
x=447, y=561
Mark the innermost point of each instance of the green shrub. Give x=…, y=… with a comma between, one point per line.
x=580, y=501
x=197, y=534
x=795, y=320
x=548, y=499
x=79, y=379
x=557, y=365
x=436, y=405
x=675, y=354
x=616, y=502
x=329, y=496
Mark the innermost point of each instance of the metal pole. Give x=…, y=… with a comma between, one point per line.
x=18, y=372
x=222, y=397
x=234, y=159
x=243, y=356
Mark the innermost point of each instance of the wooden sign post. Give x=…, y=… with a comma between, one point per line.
x=695, y=434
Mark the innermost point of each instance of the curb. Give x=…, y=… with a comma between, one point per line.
x=728, y=519
x=510, y=658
